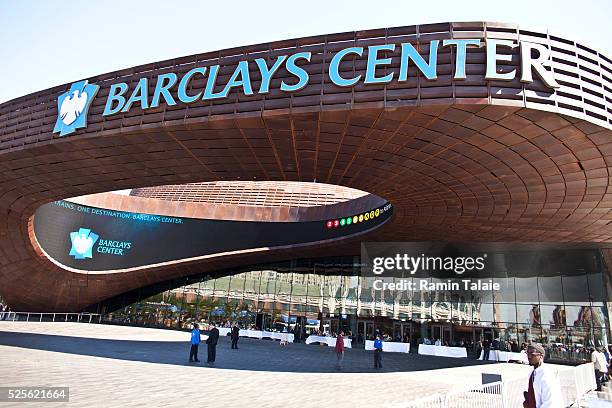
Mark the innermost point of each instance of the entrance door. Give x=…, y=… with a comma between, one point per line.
x=477, y=335
x=334, y=327
x=403, y=330
x=482, y=333
x=446, y=335
x=365, y=330
x=441, y=332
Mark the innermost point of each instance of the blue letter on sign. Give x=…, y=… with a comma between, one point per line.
x=163, y=89
x=297, y=71
x=373, y=61
x=242, y=71
x=266, y=73
x=210, y=84
x=461, y=54
x=410, y=53
x=140, y=94
x=182, y=88
x=334, y=66
x=115, y=94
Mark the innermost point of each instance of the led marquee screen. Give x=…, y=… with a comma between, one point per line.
x=97, y=239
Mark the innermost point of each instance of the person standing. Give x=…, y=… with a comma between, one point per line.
x=195, y=342
x=610, y=365
x=606, y=354
x=601, y=367
x=486, y=346
x=378, y=350
x=296, y=333
x=544, y=389
x=211, y=341
x=234, y=336
x=339, y=350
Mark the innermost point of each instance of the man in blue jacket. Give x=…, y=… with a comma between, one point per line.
x=378, y=350
x=195, y=341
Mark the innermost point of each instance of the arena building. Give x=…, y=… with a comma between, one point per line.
x=256, y=173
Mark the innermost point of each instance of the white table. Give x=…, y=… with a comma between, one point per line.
x=390, y=346
x=442, y=351
x=255, y=334
x=258, y=334
x=287, y=337
x=497, y=355
x=330, y=341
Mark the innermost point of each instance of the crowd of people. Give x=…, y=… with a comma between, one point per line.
x=213, y=339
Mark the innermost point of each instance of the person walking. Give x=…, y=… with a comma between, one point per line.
x=544, y=389
x=211, y=341
x=234, y=336
x=378, y=350
x=339, y=348
x=601, y=367
x=195, y=342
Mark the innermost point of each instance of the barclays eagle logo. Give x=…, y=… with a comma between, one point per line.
x=83, y=241
x=72, y=107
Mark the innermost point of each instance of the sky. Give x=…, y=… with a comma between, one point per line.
x=49, y=43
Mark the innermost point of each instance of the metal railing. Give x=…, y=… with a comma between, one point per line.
x=575, y=383
x=50, y=317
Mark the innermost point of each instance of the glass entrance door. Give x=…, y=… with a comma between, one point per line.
x=442, y=333
x=402, y=331
x=446, y=335
x=365, y=330
x=482, y=333
x=334, y=327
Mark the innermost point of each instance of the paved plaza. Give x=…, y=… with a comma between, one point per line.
x=117, y=366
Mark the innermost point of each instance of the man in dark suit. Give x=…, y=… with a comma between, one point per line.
x=486, y=346
x=211, y=341
x=296, y=333
x=235, y=335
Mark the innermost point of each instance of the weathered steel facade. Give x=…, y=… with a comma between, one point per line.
x=460, y=160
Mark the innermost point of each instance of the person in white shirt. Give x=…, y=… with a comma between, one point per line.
x=601, y=365
x=544, y=389
x=438, y=342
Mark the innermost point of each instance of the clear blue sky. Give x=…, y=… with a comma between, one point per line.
x=48, y=43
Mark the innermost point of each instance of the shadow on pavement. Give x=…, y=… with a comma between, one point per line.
x=253, y=354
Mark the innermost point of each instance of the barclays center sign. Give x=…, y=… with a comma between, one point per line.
x=173, y=89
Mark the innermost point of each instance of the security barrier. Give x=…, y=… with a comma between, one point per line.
x=50, y=317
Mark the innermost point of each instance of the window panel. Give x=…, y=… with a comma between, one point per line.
x=505, y=312
x=526, y=289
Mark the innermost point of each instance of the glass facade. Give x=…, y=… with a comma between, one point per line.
x=565, y=309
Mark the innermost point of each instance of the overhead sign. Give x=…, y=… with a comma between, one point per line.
x=172, y=89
